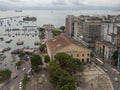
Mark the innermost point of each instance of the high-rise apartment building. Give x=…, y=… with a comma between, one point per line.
x=89, y=28
x=111, y=30
x=92, y=31
x=70, y=25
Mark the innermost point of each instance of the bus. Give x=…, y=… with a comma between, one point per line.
x=99, y=61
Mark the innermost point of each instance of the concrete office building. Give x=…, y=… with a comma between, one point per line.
x=69, y=25
x=89, y=28
x=105, y=49
x=92, y=31
x=110, y=31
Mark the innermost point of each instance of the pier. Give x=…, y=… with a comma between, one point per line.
x=13, y=17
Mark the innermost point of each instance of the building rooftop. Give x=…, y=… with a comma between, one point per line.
x=118, y=25
x=93, y=21
x=60, y=42
x=107, y=43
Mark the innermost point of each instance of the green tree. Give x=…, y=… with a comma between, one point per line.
x=36, y=60
x=46, y=58
x=42, y=36
x=62, y=28
x=62, y=59
x=40, y=29
x=4, y=75
x=21, y=54
x=68, y=63
x=42, y=47
x=19, y=63
x=66, y=83
x=56, y=32
x=91, y=54
x=75, y=65
x=24, y=82
x=61, y=77
x=115, y=57
x=56, y=72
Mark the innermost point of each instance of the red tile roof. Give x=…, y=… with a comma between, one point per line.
x=60, y=42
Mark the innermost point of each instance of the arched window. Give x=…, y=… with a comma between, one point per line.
x=87, y=59
x=83, y=60
x=77, y=55
x=88, y=54
x=82, y=55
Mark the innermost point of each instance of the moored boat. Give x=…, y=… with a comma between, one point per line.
x=7, y=48
x=1, y=38
x=20, y=43
x=17, y=51
x=8, y=41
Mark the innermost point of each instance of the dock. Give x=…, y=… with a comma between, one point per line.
x=13, y=17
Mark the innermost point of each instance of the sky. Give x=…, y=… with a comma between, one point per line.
x=59, y=4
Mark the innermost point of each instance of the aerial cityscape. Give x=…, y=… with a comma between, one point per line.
x=59, y=45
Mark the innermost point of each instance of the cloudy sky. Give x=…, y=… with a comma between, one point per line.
x=59, y=4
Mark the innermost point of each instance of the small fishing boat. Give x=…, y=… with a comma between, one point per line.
x=17, y=51
x=7, y=48
x=20, y=43
x=18, y=10
x=36, y=43
x=1, y=38
x=9, y=41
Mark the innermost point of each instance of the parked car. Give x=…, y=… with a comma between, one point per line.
x=116, y=79
x=7, y=48
x=20, y=88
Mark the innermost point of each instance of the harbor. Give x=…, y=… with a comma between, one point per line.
x=15, y=35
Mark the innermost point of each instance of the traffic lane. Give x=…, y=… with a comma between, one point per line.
x=111, y=75
x=8, y=86
x=15, y=81
x=21, y=75
x=19, y=79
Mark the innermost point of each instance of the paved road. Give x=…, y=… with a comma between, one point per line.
x=112, y=73
x=13, y=83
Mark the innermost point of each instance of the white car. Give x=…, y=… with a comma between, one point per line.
x=23, y=69
x=116, y=79
x=20, y=83
x=20, y=88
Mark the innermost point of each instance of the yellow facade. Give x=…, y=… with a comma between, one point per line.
x=69, y=46
x=76, y=52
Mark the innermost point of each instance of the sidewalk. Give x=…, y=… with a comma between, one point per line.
x=94, y=79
